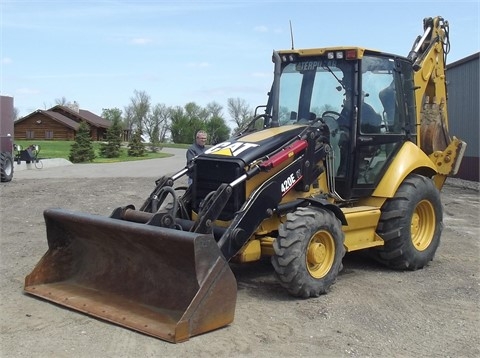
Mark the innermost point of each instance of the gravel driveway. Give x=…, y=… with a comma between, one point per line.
x=370, y=312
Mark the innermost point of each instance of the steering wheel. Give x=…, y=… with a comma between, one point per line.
x=333, y=114
x=342, y=120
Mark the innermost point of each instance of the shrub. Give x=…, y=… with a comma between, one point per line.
x=82, y=149
x=135, y=146
x=111, y=149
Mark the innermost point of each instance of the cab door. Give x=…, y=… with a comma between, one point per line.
x=385, y=119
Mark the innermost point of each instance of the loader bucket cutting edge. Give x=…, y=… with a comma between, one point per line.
x=166, y=283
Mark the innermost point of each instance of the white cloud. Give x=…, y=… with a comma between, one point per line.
x=140, y=41
x=261, y=28
x=198, y=64
x=6, y=60
x=27, y=91
x=78, y=75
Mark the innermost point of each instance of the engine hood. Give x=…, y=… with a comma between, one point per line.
x=255, y=145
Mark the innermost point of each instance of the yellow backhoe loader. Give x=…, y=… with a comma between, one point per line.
x=349, y=153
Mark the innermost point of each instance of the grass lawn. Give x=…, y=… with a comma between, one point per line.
x=61, y=149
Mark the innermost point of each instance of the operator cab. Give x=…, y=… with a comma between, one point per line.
x=359, y=94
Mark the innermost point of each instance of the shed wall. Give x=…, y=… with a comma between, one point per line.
x=463, y=85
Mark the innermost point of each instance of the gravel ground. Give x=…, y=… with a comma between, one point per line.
x=464, y=184
x=370, y=312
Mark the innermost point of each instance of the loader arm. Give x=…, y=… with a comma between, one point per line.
x=160, y=192
x=264, y=201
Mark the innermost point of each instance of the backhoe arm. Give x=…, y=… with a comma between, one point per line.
x=429, y=55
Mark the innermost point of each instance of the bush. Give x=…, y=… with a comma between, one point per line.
x=82, y=149
x=111, y=149
x=135, y=146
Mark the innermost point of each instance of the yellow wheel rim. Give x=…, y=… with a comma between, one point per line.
x=422, y=227
x=320, y=254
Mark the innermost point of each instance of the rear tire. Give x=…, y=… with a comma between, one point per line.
x=308, y=252
x=6, y=167
x=411, y=225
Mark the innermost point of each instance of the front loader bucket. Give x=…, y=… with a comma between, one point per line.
x=166, y=283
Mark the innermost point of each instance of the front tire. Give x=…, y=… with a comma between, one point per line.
x=308, y=252
x=6, y=167
x=411, y=225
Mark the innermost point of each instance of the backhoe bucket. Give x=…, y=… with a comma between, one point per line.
x=166, y=283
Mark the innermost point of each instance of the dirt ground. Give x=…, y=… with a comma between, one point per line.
x=370, y=312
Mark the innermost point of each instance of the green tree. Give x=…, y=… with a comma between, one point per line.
x=135, y=146
x=186, y=121
x=155, y=144
x=215, y=124
x=82, y=149
x=112, y=148
x=183, y=126
x=217, y=130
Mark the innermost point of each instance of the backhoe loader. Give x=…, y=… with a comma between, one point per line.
x=349, y=153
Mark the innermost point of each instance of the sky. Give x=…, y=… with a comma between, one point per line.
x=98, y=53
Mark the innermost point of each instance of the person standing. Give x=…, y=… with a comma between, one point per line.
x=197, y=148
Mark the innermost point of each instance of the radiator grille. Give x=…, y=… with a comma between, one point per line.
x=210, y=173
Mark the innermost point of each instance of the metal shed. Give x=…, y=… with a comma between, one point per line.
x=463, y=82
